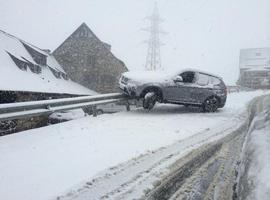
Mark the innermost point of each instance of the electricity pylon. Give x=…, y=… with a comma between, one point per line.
x=153, y=58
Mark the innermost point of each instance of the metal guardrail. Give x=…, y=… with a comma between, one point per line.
x=21, y=110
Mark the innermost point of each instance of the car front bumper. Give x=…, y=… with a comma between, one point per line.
x=128, y=89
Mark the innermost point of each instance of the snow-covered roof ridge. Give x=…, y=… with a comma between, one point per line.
x=25, y=67
x=254, y=58
x=42, y=51
x=33, y=46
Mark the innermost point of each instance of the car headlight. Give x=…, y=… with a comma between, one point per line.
x=131, y=86
x=124, y=80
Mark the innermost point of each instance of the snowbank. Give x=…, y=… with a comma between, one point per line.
x=42, y=163
x=259, y=156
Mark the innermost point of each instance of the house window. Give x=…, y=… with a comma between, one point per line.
x=38, y=57
x=83, y=33
x=65, y=76
x=57, y=74
x=20, y=64
x=91, y=61
x=34, y=68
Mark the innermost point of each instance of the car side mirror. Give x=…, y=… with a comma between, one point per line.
x=178, y=79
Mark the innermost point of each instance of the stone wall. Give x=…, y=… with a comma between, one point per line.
x=13, y=126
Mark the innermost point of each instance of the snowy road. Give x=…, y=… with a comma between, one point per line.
x=125, y=155
x=134, y=178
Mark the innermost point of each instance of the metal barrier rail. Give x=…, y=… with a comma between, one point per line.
x=36, y=108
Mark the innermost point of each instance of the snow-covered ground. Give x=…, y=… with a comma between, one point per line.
x=68, y=115
x=43, y=163
x=258, y=149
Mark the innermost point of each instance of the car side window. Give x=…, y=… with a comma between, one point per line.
x=203, y=79
x=214, y=81
x=188, y=77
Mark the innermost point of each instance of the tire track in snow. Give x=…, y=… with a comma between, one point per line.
x=135, y=177
x=218, y=175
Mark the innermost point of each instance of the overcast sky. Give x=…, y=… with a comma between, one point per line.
x=204, y=34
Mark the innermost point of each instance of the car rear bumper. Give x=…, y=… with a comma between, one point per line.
x=222, y=101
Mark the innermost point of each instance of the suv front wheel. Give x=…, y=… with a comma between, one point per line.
x=149, y=100
x=211, y=104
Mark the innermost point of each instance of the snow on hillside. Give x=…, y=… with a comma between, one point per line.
x=42, y=163
x=14, y=79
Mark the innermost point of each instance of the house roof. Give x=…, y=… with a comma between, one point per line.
x=91, y=35
x=254, y=58
x=82, y=26
x=51, y=77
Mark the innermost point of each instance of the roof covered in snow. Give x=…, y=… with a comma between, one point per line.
x=255, y=59
x=24, y=67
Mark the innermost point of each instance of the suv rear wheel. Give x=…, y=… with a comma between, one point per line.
x=149, y=100
x=210, y=104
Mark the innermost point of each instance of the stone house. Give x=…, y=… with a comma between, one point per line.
x=89, y=61
x=254, y=68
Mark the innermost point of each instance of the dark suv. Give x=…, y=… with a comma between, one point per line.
x=189, y=87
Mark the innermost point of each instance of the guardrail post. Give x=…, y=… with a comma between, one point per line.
x=127, y=106
x=94, y=109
